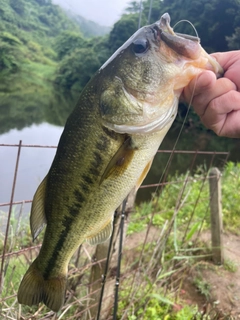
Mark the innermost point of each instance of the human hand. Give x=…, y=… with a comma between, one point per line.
x=217, y=101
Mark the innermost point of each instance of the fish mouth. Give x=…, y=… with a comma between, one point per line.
x=186, y=45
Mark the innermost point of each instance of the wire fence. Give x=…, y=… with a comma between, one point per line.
x=149, y=247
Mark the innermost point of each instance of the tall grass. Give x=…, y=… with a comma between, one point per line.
x=163, y=246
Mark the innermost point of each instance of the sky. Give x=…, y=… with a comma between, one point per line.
x=104, y=12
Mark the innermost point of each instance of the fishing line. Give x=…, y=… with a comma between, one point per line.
x=140, y=14
x=131, y=293
x=184, y=120
x=189, y=22
x=150, y=11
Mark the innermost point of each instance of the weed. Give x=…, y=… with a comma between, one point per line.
x=202, y=286
x=230, y=265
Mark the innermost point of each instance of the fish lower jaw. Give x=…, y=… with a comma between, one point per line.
x=147, y=127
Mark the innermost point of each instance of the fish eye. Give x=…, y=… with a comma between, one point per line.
x=140, y=46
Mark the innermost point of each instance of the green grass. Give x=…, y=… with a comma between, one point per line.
x=166, y=260
x=196, y=189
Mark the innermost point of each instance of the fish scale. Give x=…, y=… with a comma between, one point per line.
x=106, y=149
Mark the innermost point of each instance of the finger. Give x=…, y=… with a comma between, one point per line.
x=214, y=90
x=198, y=85
x=226, y=59
x=230, y=61
x=222, y=115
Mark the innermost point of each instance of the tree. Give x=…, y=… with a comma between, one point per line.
x=10, y=53
x=101, y=48
x=155, y=10
x=76, y=69
x=43, y=2
x=133, y=7
x=234, y=41
x=213, y=20
x=67, y=42
x=18, y=6
x=122, y=30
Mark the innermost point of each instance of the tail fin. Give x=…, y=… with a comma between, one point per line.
x=35, y=289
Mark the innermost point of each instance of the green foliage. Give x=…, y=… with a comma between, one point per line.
x=100, y=47
x=230, y=265
x=230, y=198
x=196, y=190
x=150, y=303
x=122, y=30
x=133, y=7
x=213, y=20
x=67, y=42
x=10, y=52
x=188, y=313
x=141, y=218
x=202, y=286
x=76, y=69
x=89, y=28
x=19, y=6
x=28, y=31
x=234, y=40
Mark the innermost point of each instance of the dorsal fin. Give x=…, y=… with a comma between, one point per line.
x=37, y=217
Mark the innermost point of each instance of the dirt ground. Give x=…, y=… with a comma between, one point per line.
x=221, y=284
x=217, y=288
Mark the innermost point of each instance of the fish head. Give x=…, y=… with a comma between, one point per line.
x=145, y=77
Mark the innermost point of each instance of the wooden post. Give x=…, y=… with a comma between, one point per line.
x=216, y=215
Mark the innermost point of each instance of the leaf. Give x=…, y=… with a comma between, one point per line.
x=192, y=231
x=161, y=298
x=166, y=274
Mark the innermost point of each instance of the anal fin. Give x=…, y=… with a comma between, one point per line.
x=37, y=217
x=103, y=235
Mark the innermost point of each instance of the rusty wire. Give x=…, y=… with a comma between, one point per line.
x=128, y=273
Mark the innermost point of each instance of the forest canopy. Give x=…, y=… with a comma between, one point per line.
x=40, y=44
x=39, y=31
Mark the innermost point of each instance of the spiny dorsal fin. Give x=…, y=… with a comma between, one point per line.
x=103, y=235
x=120, y=160
x=38, y=218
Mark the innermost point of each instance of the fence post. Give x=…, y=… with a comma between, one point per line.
x=216, y=215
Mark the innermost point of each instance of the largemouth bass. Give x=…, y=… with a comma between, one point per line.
x=106, y=149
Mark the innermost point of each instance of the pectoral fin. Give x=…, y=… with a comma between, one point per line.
x=120, y=160
x=38, y=218
x=103, y=235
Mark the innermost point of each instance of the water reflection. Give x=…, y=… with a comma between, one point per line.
x=50, y=109
x=34, y=162
x=20, y=110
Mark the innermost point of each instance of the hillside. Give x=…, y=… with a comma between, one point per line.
x=88, y=28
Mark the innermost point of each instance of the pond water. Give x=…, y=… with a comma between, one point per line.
x=34, y=162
